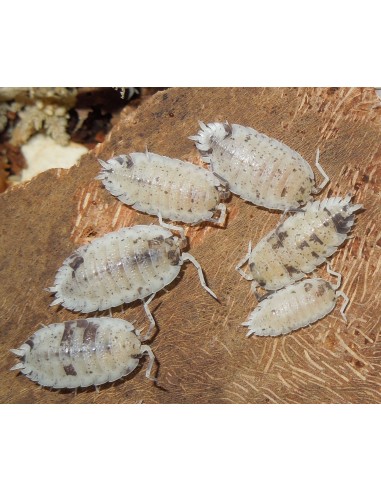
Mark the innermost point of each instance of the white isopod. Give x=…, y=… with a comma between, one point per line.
x=258, y=168
x=82, y=353
x=299, y=244
x=295, y=306
x=120, y=267
x=155, y=184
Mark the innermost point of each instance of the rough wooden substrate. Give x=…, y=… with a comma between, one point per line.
x=203, y=353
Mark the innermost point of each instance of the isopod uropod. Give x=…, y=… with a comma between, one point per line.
x=155, y=184
x=299, y=244
x=258, y=168
x=121, y=267
x=295, y=306
x=82, y=353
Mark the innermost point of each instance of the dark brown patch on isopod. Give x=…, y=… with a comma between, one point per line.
x=284, y=191
x=302, y=190
x=307, y=286
x=277, y=245
x=320, y=290
x=291, y=269
x=281, y=234
x=30, y=343
x=303, y=245
x=342, y=223
x=206, y=153
x=120, y=159
x=69, y=370
x=127, y=161
x=314, y=254
x=76, y=263
x=142, y=257
x=90, y=332
x=315, y=239
x=68, y=331
x=156, y=241
x=228, y=128
x=82, y=323
x=174, y=256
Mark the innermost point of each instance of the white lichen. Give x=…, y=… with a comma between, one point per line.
x=39, y=109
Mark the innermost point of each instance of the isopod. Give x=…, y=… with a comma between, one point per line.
x=82, y=353
x=299, y=244
x=256, y=167
x=296, y=306
x=155, y=184
x=120, y=267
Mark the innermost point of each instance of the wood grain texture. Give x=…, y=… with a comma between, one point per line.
x=202, y=350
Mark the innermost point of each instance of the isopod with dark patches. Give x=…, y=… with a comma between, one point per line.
x=82, y=353
x=260, y=169
x=120, y=267
x=299, y=244
x=296, y=306
x=155, y=184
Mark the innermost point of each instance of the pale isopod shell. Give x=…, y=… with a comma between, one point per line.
x=120, y=267
x=300, y=243
x=258, y=168
x=82, y=353
x=294, y=307
x=155, y=184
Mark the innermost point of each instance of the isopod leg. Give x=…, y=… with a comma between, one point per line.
x=187, y=256
x=150, y=317
x=322, y=172
x=335, y=274
x=146, y=349
x=223, y=181
x=222, y=218
x=242, y=262
x=172, y=227
x=339, y=293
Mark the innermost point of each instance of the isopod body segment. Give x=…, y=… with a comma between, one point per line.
x=155, y=184
x=260, y=169
x=82, y=353
x=121, y=267
x=299, y=244
x=295, y=306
